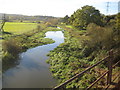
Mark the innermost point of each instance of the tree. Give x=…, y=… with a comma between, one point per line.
x=118, y=21
x=117, y=32
x=109, y=19
x=53, y=21
x=65, y=19
x=100, y=37
x=3, y=23
x=82, y=17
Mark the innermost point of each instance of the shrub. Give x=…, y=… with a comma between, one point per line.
x=11, y=46
x=100, y=37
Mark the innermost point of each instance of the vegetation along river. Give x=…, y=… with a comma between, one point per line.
x=32, y=71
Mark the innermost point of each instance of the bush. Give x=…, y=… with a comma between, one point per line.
x=100, y=37
x=11, y=46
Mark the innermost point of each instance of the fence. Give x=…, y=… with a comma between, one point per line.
x=109, y=59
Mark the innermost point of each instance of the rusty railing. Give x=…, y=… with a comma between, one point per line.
x=109, y=59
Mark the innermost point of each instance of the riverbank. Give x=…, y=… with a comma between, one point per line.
x=31, y=70
x=75, y=55
x=15, y=43
x=67, y=60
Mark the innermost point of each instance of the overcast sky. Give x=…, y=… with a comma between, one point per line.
x=57, y=8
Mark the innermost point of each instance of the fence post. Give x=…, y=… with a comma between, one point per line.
x=109, y=76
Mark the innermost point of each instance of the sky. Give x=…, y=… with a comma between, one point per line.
x=56, y=8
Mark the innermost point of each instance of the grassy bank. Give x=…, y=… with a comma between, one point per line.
x=15, y=42
x=67, y=60
x=77, y=53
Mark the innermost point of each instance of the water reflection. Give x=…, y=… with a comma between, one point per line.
x=33, y=71
x=13, y=62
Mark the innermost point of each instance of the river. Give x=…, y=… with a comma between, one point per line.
x=32, y=70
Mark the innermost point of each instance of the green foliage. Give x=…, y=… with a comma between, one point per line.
x=81, y=49
x=117, y=31
x=11, y=46
x=67, y=60
x=25, y=18
x=53, y=21
x=15, y=43
x=65, y=19
x=110, y=20
x=101, y=37
x=11, y=49
x=82, y=17
x=118, y=21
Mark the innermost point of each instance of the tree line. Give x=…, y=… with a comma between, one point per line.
x=89, y=35
x=81, y=18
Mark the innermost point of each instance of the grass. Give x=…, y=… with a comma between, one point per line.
x=74, y=32
x=18, y=37
x=73, y=56
x=19, y=28
x=66, y=60
x=53, y=29
x=69, y=26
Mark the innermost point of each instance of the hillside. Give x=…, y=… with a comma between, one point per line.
x=18, y=17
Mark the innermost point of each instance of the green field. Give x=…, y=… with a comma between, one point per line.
x=19, y=28
x=18, y=37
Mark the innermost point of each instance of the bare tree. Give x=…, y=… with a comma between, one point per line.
x=2, y=23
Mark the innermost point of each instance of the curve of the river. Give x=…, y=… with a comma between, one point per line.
x=32, y=70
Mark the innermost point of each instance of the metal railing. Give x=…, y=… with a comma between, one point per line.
x=108, y=58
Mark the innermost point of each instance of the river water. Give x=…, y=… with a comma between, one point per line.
x=32, y=70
